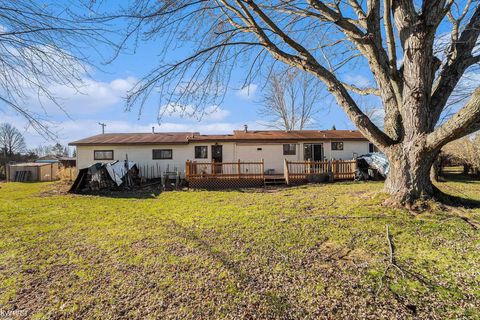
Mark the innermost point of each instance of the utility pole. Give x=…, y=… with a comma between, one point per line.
x=103, y=127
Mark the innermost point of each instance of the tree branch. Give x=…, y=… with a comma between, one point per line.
x=453, y=71
x=351, y=30
x=370, y=45
x=361, y=91
x=392, y=50
x=308, y=63
x=465, y=121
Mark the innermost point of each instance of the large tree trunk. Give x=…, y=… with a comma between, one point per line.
x=409, y=178
x=410, y=160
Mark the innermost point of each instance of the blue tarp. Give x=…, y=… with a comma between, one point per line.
x=377, y=161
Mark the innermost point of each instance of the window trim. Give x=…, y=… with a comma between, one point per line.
x=153, y=154
x=336, y=142
x=95, y=155
x=195, y=152
x=288, y=152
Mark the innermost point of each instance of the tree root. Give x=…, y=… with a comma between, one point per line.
x=430, y=202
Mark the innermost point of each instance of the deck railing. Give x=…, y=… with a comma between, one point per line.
x=294, y=171
x=340, y=169
x=233, y=170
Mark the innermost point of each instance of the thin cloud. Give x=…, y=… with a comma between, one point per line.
x=90, y=97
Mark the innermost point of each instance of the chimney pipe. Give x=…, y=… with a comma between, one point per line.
x=153, y=129
x=245, y=128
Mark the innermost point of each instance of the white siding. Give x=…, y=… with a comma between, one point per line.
x=349, y=148
x=272, y=153
x=142, y=155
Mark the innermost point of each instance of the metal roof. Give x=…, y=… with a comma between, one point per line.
x=135, y=138
x=278, y=135
x=237, y=136
x=30, y=164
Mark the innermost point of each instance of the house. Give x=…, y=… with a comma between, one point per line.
x=169, y=151
x=65, y=162
x=68, y=162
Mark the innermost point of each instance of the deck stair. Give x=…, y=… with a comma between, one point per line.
x=274, y=180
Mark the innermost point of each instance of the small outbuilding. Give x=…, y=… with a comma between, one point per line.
x=68, y=162
x=32, y=171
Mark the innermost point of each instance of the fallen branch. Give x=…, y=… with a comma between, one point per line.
x=473, y=224
x=337, y=217
x=459, y=213
x=390, y=245
x=392, y=260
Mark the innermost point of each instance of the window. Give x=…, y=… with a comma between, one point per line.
x=103, y=155
x=313, y=152
x=337, y=145
x=162, y=153
x=289, y=149
x=372, y=148
x=259, y=149
x=201, y=152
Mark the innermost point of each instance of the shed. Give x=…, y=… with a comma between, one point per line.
x=32, y=171
x=68, y=162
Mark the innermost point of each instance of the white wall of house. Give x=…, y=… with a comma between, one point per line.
x=350, y=149
x=271, y=153
x=143, y=155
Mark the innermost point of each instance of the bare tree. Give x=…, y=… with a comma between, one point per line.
x=11, y=142
x=41, y=45
x=59, y=150
x=327, y=39
x=290, y=100
x=467, y=150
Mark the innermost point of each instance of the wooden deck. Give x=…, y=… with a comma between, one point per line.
x=216, y=175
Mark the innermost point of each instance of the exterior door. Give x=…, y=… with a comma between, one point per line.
x=217, y=156
x=317, y=152
x=313, y=152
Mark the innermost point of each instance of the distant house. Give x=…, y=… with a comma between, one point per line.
x=47, y=159
x=66, y=162
x=171, y=150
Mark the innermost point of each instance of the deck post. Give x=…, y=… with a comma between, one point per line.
x=354, y=168
x=238, y=169
x=263, y=168
x=187, y=169
x=285, y=171
x=335, y=169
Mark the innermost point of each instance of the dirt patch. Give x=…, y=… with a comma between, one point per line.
x=57, y=189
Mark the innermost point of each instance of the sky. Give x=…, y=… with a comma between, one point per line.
x=100, y=99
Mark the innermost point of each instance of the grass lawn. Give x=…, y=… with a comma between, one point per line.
x=317, y=251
